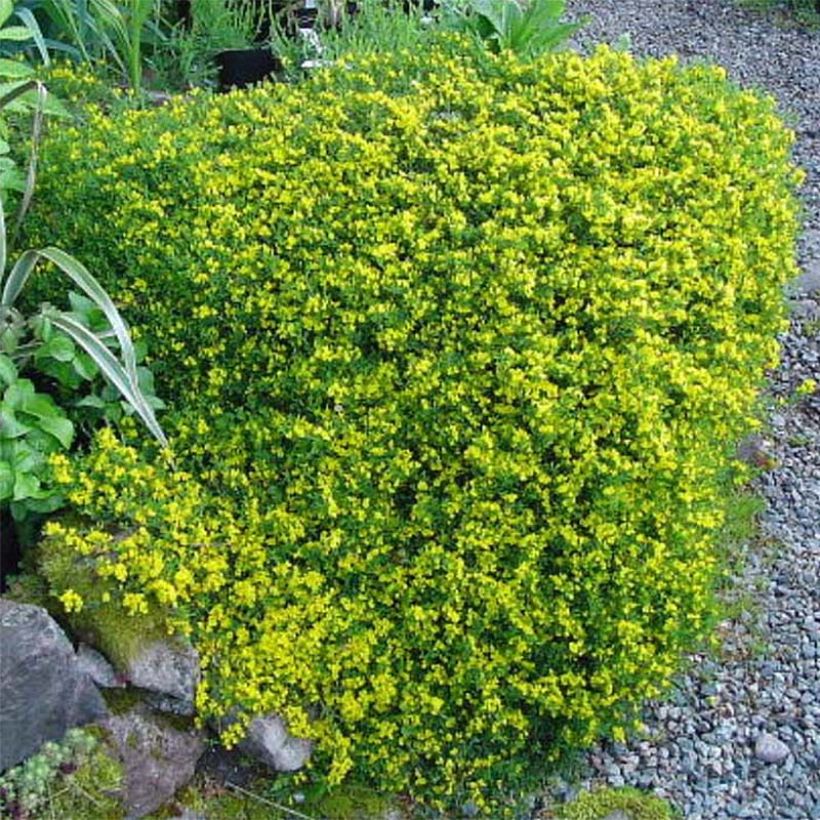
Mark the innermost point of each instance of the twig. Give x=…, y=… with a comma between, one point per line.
x=267, y=802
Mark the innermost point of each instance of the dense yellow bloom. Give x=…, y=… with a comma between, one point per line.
x=455, y=348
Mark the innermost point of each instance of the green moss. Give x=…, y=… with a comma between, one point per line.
x=92, y=791
x=101, y=623
x=596, y=805
x=351, y=802
x=120, y=701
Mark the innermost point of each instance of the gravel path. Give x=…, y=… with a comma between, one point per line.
x=741, y=737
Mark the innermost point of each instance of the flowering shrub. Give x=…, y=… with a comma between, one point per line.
x=457, y=348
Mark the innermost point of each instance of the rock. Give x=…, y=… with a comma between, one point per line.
x=170, y=667
x=757, y=451
x=770, y=749
x=618, y=815
x=158, y=759
x=808, y=282
x=804, y=309
x=160, y=702
x=97, y=668
x=268, y=740
x=43, y=690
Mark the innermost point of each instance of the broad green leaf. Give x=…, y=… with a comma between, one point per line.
x=49, y=502
x=6, y=481
x=42, y=442
x=15, y=394
x=61, y=428
x=8, y=372
x=26, y=459
x=64, y=373
x=14, y=70
x=58, y=347
x=10, y=426
x=16, y=34
x=91, y=401
x=84, y=366
x=40, y=406
x=6, y=10
x=26, y=485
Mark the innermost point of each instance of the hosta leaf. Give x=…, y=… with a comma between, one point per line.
x=6, y=481
x=61, y=428
x=26, y=485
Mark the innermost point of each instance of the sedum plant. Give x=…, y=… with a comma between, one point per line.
x=74, y=777
x=461, y=345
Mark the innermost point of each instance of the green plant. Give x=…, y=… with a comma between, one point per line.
x=32, y=427
x=75, y=777
x=377, y=28
x=526, y=27
x=15, y=37
x=803, y=11
x=70, y=346
x=52, y=335
x=215, y=25
x=460, y=345
x=600, y=803
x=110, y=30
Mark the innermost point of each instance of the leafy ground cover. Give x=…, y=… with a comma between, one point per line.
x=455, y=347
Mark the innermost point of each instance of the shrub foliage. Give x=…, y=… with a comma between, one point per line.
x=456, y=349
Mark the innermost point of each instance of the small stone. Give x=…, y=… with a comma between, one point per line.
x=170, y=667
x=269, y=741
x=770, y=749
x=95, y=665
x=809, y=282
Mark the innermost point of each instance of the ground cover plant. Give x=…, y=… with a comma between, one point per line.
x=456, y=348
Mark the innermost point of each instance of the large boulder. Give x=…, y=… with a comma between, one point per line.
x=43, y=690
x=158, y=757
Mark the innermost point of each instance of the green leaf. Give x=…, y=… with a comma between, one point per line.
x=85, y=367
x=16, y=34
x=91, y=401
x=61, y=428
x=6, y=10
x=40, y=406
x=63, y=373
x=58, y=347
x=49, y=502
x=30, y=23
x=8, y=372
x=6, y=481
x=26, y=485
x=10, y=427
x=14, y=70
x=15, y=394
x=25, y=459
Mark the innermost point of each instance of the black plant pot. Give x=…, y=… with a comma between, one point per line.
x=239, y=68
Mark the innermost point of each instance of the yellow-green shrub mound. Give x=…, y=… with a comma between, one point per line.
x=456, y=349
